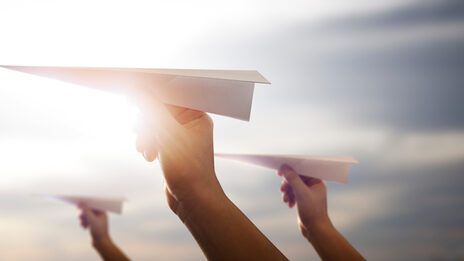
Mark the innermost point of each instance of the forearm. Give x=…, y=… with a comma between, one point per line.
x=222, y=230
x=330, y=244
x=108, y=250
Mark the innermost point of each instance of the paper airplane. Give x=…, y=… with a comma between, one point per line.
x=224, y=92
x=109, y=204
x=330, y=168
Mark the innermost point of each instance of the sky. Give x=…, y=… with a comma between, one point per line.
x=378, y=80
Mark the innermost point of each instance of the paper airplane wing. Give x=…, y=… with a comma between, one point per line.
x=109, y=204
x=323, y=167
x=224, y=92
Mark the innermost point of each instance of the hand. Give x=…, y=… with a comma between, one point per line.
x=183, y=141
x=309, y=195
x=97, y=221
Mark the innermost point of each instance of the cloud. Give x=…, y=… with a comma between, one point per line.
x=384, y=86
x=413, y=13
x=426, y=150
x=398, y=67
x=424, y=221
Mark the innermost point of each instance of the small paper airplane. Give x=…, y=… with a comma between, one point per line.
x=223, y=92
x=330, y=168
x=110, y=204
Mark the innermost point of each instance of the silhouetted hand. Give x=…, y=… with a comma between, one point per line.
x=96, y=221
x=183, y=141
x=309, y=195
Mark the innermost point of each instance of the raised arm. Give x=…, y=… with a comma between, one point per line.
x=183, y=140
x=310, y=197
x=97, y=222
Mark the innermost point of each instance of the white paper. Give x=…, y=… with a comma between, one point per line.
x=108, y=204
x=224, y=92
x=330, y=168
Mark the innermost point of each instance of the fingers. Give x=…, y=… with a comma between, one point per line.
x=295, y=187
x=184, y=115
x=89, y=215
x=85, y=210
x=290, y=198
x=84, y=221
x=149, y=150
x=312, y=181
x=98, y=213
x=287, y=194
x=285, y=197
x=284, y=187
x=146, y=142
x=84, y=216
x=160, y=118
x=309, y=181
x=293, y=179
x=150, y=155
x=158, y=126
x=291, y=202
x=163, y=126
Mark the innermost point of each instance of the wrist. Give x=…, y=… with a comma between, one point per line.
x=199, y=198
x=102, y=242
x=312, y=230
x=190, y=191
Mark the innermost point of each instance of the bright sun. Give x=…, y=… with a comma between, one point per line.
x=49, y=126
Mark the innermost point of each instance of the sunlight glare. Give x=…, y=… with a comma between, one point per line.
x=60, y=127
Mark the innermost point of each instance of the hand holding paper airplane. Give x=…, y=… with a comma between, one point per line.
x=335, y=168
x=223, y=92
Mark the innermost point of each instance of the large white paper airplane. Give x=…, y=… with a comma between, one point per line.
x=110, y=204
x=224, y=92
x=330, y=168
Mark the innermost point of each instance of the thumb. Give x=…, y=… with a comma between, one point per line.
x=297, y=184
x=88, y=213
x=160, y=119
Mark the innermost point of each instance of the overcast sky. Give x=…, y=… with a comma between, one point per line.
x=379, y=80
